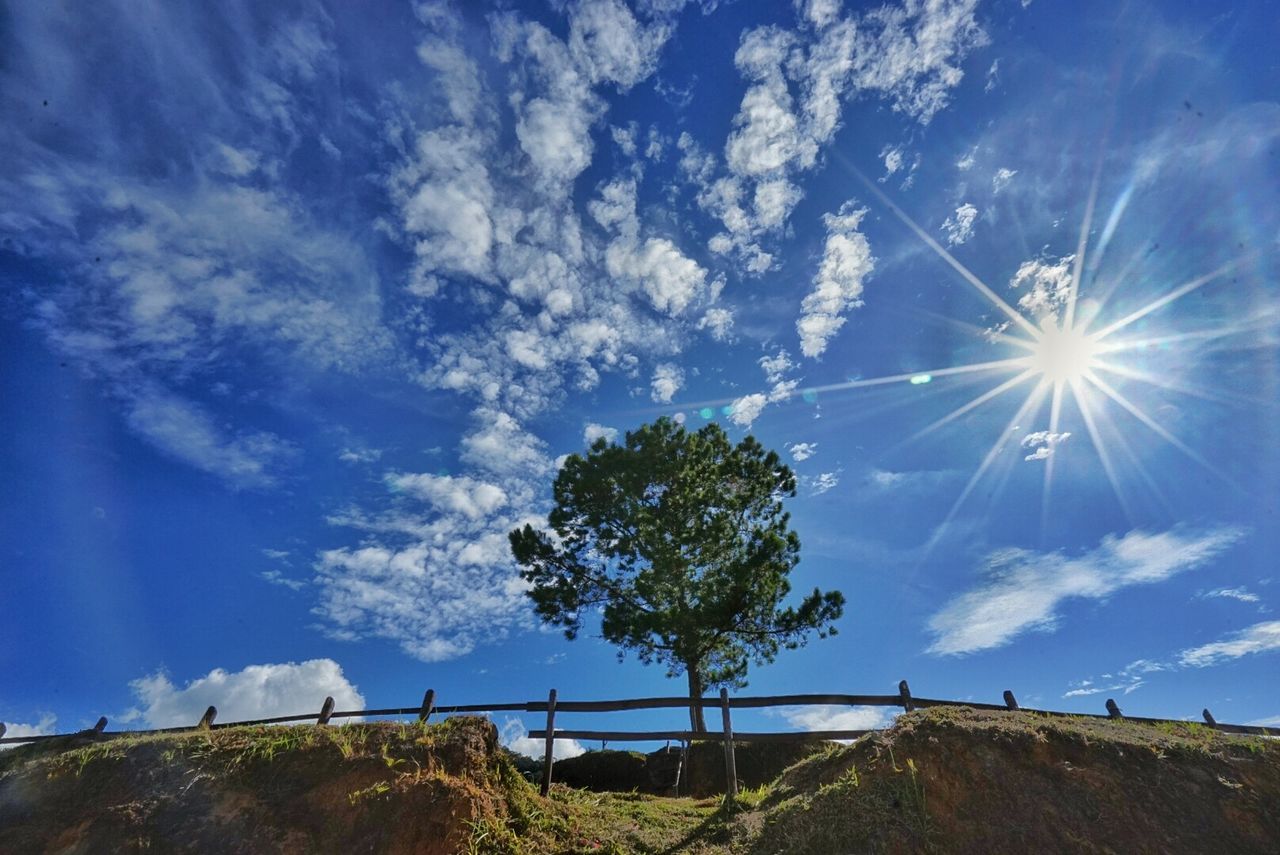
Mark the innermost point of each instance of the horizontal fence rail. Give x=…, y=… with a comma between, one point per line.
x=727, y=736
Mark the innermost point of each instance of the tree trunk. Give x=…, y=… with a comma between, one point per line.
x=698, y=723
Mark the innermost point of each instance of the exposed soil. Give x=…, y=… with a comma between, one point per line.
x=363, y=788
x=960, y=780
x=941, y=780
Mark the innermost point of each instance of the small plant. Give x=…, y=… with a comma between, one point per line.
x=370, y=792
x=391, y=762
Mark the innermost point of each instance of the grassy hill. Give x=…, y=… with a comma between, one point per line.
x=944, y=780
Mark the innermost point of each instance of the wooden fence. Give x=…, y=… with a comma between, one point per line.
x=552, y=705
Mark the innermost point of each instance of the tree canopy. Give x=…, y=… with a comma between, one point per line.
x=680, y=540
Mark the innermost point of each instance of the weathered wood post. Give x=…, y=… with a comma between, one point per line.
x=547, y=758
x=428, y=704
x=1009, y=700
x=730, y=765
x=206, y=720
x=904, y=694
x=1208, y=718
x=1112, y=709
x=326, y=711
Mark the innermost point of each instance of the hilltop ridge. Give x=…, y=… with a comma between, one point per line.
x=939, y=780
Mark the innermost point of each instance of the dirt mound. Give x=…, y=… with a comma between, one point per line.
x=960, y=780
x=940, y=780
x=360, y=788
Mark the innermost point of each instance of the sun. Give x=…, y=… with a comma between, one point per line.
x=1063, y=354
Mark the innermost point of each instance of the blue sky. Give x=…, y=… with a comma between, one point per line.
x=303, y=303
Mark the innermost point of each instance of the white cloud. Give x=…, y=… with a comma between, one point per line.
x=892, y=161
x=831, y=717
x=446, y=197
x=1001, y=179
x=846, y=262
x=360, y=455
x=593, y=431
x=802, y=451
x=611, y=46
x=1259, y=638
x=798, y=81
x=777, y=366
x=438, y=596
x=1240, y=594
x=667, y=380
x=824, y=482
x=1043, y=443
x=501, y=446
x=46, y=725
x=514, y=736
x=959, y=226
x=968, y=159
x=1047, y=284
x=883, y=478
x=451, y=493
x=1129, y=684
x=670, y=279
x=625, y=138
x=911, y=52
x=186, y=432
x=1023, y=588
x=719, y=322
x=258, y=691
x=275, y=577
x=746, y=409
x=993, y=76
x=433, y=571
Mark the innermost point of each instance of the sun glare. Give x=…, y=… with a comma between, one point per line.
x=1064, y=361
x=1063, y=355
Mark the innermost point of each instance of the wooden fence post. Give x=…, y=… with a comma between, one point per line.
x=101, y=725
x=428, y=703
x=548, y=759
x=207, y=719
x=904, y=692
x=1009, y=700
x=730, y=766
x=1112, y=709
x=326, y=711
x=1208, y=718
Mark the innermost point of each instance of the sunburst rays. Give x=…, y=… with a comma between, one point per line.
x=1066, y=359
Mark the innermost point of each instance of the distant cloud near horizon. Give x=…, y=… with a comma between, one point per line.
x=257, y=691
x=1023, y=588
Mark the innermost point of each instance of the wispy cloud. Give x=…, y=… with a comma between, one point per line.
x=1023, y=588
x=1241, y=594
x=1259, y=638
x=823, y=483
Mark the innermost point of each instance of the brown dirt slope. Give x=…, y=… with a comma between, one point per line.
x=362, y=788
x=959, y=780
x=941, y=780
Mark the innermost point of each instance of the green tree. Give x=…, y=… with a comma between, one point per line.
x=681, y=541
